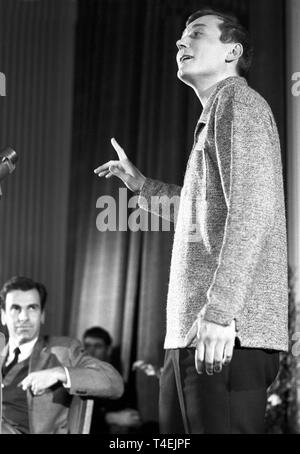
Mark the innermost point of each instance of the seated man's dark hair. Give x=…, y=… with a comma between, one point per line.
x=24, y=284
x=98, y=333
x=232, y=31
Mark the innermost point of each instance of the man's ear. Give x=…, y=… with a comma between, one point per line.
x=43, y=317
x=3, y=320
x=235, y=53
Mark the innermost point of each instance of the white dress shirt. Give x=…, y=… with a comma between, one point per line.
x=25, y=351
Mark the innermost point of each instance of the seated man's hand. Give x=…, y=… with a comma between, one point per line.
x=124, y=418
x=214, y=345
x=124, y=169
x=41, y=380
x=147, y=368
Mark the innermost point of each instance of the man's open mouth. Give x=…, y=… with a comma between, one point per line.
x=185, y=58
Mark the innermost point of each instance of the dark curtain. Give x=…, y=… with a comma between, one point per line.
x=36, y=56
x=126, y=87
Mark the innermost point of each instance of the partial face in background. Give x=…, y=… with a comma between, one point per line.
x=23, y=315
x=200, y=51
x=97, y=348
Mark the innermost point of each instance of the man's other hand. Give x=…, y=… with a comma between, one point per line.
x=40, y=381
x=214, y=345
x=123, y=169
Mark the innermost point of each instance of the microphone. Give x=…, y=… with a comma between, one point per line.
x=8, y=159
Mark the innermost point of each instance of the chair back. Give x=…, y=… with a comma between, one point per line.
x=80, y=415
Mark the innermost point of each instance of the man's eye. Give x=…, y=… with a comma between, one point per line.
x=195, y=34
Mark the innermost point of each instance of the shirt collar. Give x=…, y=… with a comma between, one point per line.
x=223, y=83
x=25, y=349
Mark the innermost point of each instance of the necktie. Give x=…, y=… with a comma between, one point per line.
x=7, y=368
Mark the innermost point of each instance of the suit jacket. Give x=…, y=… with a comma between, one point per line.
x=48, y=413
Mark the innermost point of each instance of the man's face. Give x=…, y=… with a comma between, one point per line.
x=97, y=348
x=23, y=315
x=200, y=51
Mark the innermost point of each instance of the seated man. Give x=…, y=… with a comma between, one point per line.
x=108, y=416
x=40, y=374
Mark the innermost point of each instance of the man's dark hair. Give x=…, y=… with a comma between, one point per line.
x=98, y=333
x=232, y=31
x=24, y=284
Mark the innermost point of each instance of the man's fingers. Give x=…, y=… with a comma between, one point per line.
x=103, y=170
x=103, y=173
x=218, y=357
x=199, y=357
x=39, y=392
x=121, y=153
x=209, y=357
x=104, y=167
x=24, y=384
x=192, y=333
x=228, y=352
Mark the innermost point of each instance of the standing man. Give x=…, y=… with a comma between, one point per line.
x=42, y=373
x=228, y=294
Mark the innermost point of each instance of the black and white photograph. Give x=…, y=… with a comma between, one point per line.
x=150, y=220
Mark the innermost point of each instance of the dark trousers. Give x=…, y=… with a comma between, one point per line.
x=233, y=401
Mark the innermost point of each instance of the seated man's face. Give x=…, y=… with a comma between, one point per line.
x=23, y=315
x=97, y=348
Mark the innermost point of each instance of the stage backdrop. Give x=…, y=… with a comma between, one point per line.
x=36, y=56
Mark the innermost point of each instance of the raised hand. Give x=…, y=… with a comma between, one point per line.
x=124, y=169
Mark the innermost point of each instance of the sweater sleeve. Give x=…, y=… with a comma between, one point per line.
x=245, y=145
x=161, y=199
